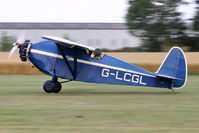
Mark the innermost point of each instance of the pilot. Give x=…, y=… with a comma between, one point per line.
x=97, y=54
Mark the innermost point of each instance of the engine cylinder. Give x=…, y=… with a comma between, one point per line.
x=23, y=50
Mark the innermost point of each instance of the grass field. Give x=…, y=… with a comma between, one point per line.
x=92, y=108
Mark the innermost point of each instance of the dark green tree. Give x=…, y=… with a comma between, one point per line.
x=193, y=42
x=155, y=21
x=6, y=42
x=196, y=18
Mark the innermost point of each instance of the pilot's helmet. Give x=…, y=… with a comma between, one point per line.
x=97, y=52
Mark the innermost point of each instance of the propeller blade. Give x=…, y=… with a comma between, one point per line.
x=13, y=50
x=21, y=38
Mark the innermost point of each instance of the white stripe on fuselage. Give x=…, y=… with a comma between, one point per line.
x=87, y=62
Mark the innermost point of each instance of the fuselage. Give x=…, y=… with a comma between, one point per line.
x=47, y=57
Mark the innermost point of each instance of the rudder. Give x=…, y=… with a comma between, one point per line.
x=175, y=66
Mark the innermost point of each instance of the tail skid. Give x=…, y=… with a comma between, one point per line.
x=174, y=68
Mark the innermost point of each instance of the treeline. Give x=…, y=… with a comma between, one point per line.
x=160, y=26
x=6, y=42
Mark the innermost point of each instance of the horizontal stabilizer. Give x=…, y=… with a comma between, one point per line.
x=167, y=77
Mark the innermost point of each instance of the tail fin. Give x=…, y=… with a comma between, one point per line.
x=174, y=67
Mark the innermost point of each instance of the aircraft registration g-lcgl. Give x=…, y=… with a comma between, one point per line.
x=65, y=59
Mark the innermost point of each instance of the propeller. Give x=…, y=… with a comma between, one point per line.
x=20, y=40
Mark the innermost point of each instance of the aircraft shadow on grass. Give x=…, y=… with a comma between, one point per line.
x=91, y=92
x=71, y=92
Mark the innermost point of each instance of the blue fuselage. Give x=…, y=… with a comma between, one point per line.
x=47, y=57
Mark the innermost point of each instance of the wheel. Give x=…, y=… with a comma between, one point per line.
x=49, y=86
x=57, y=88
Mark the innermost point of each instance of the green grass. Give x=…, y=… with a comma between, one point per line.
x=94, y=108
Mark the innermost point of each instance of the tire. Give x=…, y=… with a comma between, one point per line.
x=57, y=88
x=49, y=86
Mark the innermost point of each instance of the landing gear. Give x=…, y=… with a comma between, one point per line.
x=50, y=86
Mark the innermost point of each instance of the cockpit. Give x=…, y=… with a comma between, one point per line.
x=96, y=54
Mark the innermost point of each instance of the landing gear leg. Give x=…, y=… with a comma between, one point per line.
x=52, y=85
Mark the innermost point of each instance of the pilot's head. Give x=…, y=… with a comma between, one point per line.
x=97, y=52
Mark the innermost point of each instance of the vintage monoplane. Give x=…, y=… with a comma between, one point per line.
x=65, y=59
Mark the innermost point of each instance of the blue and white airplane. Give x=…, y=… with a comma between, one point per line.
x=65, y=59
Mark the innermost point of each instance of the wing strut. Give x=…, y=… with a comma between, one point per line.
x=75, y=62
x=67, y=63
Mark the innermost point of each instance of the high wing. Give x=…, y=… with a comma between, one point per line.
x=67, y=43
